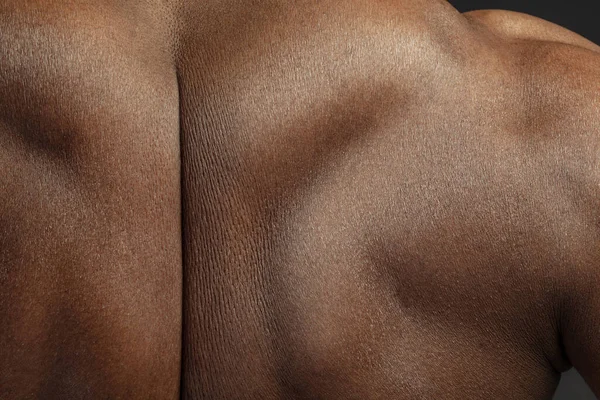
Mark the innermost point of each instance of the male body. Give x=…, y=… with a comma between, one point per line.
x=379, y=200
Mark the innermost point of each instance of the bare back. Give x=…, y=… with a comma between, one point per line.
x=379, y=203
x=379, y=200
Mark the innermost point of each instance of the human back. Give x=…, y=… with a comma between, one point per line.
x=380, y=200
x=90, y=237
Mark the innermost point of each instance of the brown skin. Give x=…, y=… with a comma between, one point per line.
x=90, y=231
x=380, y=200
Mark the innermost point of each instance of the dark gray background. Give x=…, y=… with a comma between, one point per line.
x=583, y=17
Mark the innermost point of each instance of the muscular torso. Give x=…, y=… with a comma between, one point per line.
x=379, y=200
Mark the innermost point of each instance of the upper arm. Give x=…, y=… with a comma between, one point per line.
x=577, y=160
x=567, y=99
x=581, y=330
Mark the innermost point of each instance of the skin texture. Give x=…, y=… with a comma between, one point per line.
x=90, y=238
x=225, y=199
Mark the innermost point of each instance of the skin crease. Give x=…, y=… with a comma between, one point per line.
x=225, y=199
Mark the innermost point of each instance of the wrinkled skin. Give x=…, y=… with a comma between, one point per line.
x=295, y=200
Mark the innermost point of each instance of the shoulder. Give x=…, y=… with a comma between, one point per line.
x=556, y=79
x=545, y=55
x=554, y=68
x=515, y=25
